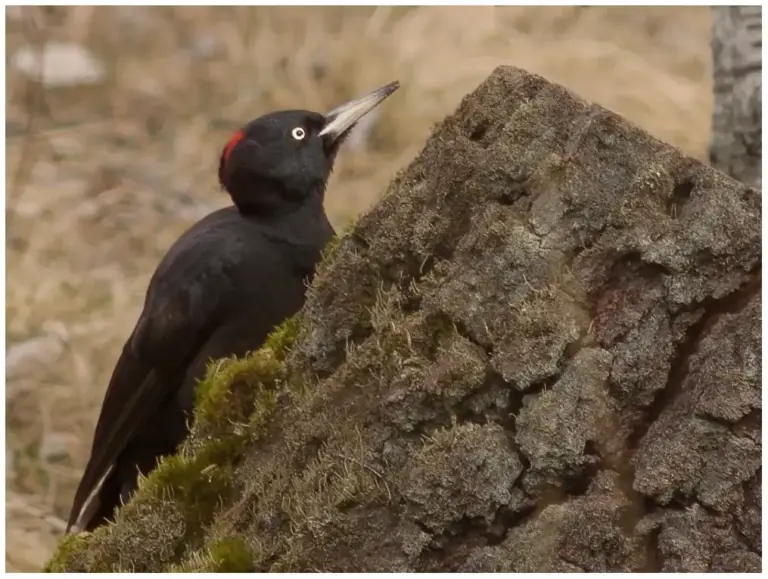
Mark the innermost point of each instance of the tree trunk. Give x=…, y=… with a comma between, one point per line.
x=737, y=140
x=540, y=351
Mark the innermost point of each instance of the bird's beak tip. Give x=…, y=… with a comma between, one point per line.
x=391, y=87
x=344, y=117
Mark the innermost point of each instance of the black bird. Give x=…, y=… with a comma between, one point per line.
x=219, y=291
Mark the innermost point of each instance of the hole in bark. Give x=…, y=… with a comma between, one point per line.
x=680, y=196
x=479, y=131
x=577, y=481
x=590, y=448
x=512, y=194
x=683, y=191
x=631, y=265
x=507, y=519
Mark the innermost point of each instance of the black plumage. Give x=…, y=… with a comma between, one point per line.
x=219, y=291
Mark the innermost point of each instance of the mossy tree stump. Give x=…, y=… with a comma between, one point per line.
x=539, y=352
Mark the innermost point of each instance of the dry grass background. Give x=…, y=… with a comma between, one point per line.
x=101, y=180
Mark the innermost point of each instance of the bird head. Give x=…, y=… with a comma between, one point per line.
x=281, y=159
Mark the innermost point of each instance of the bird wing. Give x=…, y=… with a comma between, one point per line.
x=186, y=294
x=134, y=391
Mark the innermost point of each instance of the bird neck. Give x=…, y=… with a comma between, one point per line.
x=291, y=221
x=301, y=234
x=271, y=200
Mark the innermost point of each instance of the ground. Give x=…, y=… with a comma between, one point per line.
x=102, y=182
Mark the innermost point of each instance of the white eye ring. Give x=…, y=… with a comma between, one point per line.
x=298, y=133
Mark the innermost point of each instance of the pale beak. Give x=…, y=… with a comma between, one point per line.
x=344, y=117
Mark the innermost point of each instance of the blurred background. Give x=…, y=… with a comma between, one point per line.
x=115, y=121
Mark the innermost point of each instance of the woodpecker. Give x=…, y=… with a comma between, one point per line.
x=223, y=286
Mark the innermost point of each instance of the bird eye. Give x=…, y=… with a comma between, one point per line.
x=298, y=133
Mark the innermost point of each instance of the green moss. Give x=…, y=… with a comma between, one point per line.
x=262, y=412
x=236, y=395
x=232, y=385
x=224, y=555
x=233, y=403
x=198, y=483
x=229, y=391
x=60, y=561
x=332, y=247
x=231, y=555
x=282, y=338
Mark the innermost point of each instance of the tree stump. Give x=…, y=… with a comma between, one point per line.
x=540, y=351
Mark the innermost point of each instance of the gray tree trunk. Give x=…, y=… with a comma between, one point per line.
x=736, y=146
x=540, y=351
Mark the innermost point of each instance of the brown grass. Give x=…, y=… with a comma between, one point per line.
x=102, y=180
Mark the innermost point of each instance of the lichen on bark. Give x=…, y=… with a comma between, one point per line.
x=538, y=352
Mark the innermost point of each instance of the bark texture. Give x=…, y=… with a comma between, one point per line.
x=540, y=351
x=737, y=140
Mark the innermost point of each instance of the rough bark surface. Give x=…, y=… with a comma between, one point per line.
x=737, y=140
x=541, y=351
